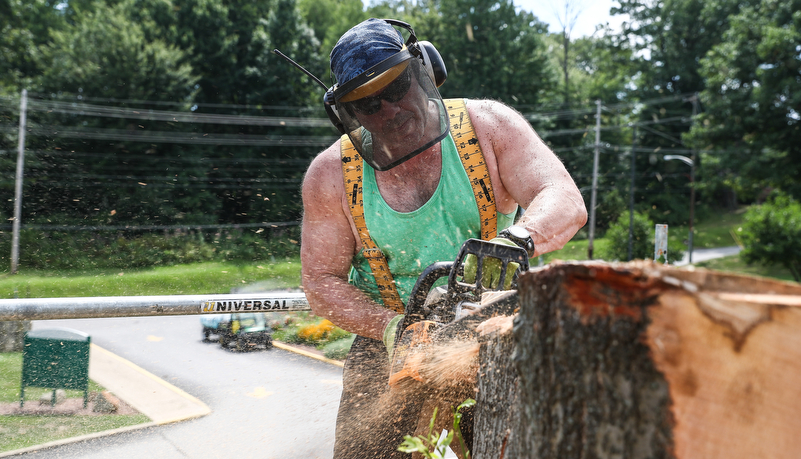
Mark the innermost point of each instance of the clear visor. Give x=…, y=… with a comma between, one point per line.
x=394, y=116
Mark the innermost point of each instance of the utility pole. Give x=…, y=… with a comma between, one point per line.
x=23, y=110
x=631, y=193
x=594, y=177
x=694, y=100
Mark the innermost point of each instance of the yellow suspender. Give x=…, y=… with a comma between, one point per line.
x=352, y=171
x=473, y=162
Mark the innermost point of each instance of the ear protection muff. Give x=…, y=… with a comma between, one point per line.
x=331, y=110
x=425, y=51
x=432, y=62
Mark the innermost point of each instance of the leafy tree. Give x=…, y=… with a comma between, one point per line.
x=610, y=208
x=668, y=39
x=752, y=105
x=105, y=54
x=25, y=26
x=772, y=234
x=330, y=19
x=493, y=51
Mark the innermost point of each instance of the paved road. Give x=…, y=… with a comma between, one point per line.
x=265, y=404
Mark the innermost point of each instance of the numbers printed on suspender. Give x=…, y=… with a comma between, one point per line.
x=473, y=161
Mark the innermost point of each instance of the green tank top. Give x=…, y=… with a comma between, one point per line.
x=413, y=240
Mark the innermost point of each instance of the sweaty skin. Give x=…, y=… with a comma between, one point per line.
x=523, y=171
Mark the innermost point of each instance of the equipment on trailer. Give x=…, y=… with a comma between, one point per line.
x=245, y=330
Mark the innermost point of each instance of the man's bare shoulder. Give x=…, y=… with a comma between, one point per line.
x=325, y=170
x=491, y=113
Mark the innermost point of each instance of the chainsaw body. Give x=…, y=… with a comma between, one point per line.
x=437, y=314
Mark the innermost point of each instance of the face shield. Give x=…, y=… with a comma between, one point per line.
x=392, y=112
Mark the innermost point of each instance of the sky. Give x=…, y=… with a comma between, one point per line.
x=590, y=13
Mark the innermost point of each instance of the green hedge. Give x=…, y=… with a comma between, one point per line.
x=61, y=250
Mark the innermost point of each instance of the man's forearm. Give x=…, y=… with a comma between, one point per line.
x=553, y=220
x=347, y=307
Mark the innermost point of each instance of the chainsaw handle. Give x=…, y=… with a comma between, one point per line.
x=481, y=250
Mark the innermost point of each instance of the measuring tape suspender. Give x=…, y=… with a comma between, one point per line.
x=464, y=137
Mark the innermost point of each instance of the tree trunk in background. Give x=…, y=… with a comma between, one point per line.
x=12, y=335
x=639, y=360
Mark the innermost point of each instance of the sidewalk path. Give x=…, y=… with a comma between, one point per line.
x=157, y=399
x=708, y=254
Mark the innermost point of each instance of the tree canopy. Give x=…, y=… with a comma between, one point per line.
x=177, y=112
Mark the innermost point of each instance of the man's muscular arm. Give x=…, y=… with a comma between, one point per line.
x=328, y=243
x=525, y=171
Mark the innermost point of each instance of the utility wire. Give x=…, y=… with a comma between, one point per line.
x=73, y=108
x=155, y=227
x=80, y=98
x=177, y=137
x=172, y=158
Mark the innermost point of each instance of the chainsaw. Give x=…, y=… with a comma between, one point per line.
x=444, y=314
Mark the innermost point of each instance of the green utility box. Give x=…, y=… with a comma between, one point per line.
x=56, y=358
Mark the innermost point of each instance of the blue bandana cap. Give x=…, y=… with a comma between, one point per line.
x=362, y=47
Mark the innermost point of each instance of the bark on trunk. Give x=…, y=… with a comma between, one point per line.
x=641, y=360
x=12, y=335
x=497, y=396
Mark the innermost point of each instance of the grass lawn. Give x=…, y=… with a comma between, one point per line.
x=194, y=279
x=23, y=431
x=18, y=432
x=735, y=264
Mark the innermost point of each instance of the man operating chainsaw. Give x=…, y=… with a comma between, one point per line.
x=411, y=179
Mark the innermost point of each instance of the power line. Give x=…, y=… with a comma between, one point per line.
x=175, y=158
x=155, y=227
x=177, y=137
x=81, y=98
x=73, y=108
x=542, y=114
x=175, y=179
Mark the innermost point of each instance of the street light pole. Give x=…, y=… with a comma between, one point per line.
x=591, y=241
x=690, y=162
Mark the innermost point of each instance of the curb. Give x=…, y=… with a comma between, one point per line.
x=306, y=353
x=67, y=441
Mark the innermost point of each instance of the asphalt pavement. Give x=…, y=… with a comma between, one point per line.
x=203, y=401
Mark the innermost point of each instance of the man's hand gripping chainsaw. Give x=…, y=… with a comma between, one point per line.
x=441, y=315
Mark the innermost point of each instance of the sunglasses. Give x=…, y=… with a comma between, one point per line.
x=393, y=92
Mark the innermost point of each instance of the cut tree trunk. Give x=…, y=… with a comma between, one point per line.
x=640, y=360
x=12, y=335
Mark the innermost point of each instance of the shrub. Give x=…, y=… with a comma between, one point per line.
x=642, y=240
x=338, y=349
x=772, y=234
x=316, y=332
x=618, y=238
x=61, y=250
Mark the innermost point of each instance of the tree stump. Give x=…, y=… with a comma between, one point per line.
x=640, y=360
